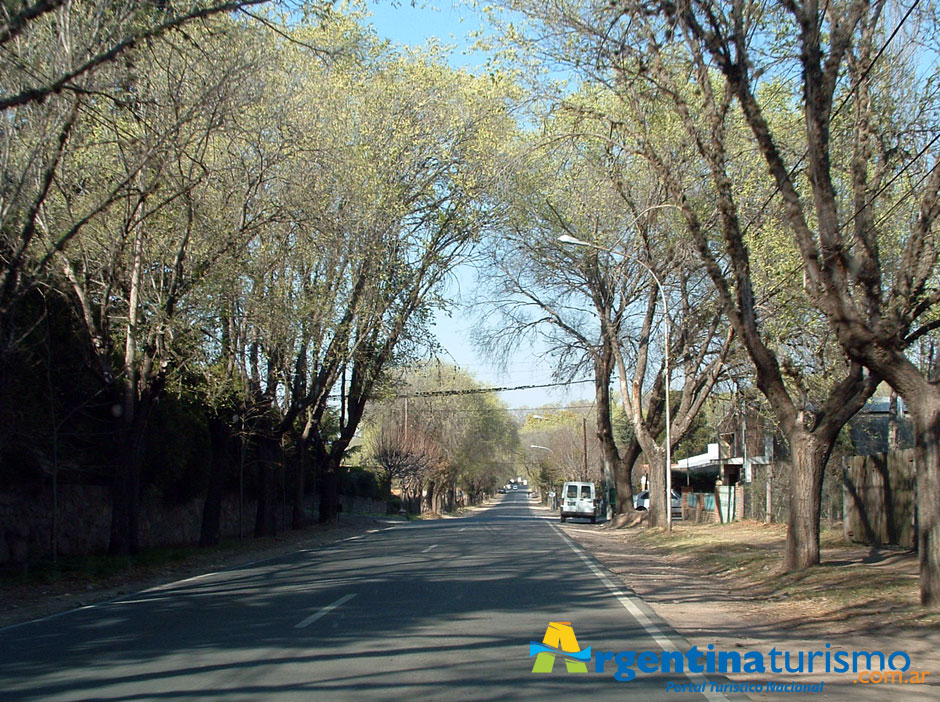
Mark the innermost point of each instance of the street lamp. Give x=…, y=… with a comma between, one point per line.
x=567, y=239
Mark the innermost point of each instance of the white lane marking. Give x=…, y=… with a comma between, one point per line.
x=460, y=530
x=120, y=599
x=628, y=603
x=363, y=535
x=323, y=612
x=429, y=548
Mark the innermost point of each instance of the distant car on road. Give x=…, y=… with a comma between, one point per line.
x=641, y=503
x=515, y=487
x=501, y=491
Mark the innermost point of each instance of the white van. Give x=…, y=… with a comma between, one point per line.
x=577, y=500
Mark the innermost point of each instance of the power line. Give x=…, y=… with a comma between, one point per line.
x=477, y=410
x=479, y=391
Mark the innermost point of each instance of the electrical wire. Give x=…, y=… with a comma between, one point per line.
x=835, y=113
x=478, y=391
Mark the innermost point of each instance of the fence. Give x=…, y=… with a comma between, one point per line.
x=776, y=477
x=84, y=515
x=698, y=507
x=880, y=499
x=874, y=496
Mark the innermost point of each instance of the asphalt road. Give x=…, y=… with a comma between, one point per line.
x=441, y=610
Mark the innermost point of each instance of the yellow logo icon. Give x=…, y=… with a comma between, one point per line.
x=559, y=640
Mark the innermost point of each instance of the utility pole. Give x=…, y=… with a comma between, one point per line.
x=584, y=447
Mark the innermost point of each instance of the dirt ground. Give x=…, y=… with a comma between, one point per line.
x=723, y=585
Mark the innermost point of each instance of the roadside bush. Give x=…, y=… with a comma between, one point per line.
x=177, y=450
x=358, y=482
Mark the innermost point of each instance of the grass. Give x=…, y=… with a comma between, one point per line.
x=850, y=580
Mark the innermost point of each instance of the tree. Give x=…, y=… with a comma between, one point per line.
x=443, y=429
x=381, y=187
x=58, y=63
x=54, y=46
x=696, y=149
x=557, y=437
x=118, y=142
x=599, y=308
x=262, y=221
x=864, y=220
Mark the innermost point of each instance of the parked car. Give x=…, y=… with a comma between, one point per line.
x=641, y=503
x=577, y=500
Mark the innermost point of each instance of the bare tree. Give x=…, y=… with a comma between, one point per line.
x=133, y=271
x=868, y=249
x=599, y=308
x=405, y=454
x=647, y=62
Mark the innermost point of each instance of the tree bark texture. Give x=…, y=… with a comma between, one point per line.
x=809, y=457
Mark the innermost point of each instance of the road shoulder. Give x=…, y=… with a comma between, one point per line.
x=718, y=609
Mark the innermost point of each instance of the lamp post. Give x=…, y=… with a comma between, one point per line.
x=567, y=239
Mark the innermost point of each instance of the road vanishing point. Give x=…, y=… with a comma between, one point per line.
x=435, y=610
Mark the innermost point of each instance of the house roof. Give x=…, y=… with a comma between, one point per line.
x=700, y=461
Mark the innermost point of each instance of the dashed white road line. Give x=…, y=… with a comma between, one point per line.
x=429, y=548
x=324, y=611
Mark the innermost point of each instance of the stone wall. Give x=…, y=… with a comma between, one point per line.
x=362, y=505
x=84, y=518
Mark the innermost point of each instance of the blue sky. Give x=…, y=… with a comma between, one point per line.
x=450, y=24
x=447, y=23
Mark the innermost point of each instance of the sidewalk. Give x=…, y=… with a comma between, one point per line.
x=722, y=608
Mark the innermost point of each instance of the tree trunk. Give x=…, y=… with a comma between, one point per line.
x=623, y=478
x=809, y=456
x=266, y=516
x=220, y=436
x=125, y=510
x=298, y=487
x=658, y=501
x=620, y=465
x=429, y=500
x=329, y=493
x=926, y=416
x=125, y=496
